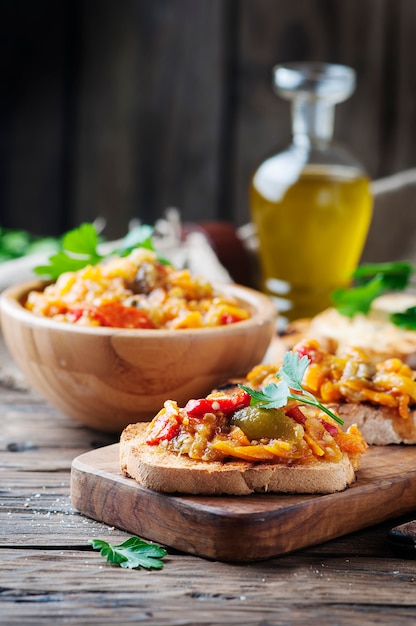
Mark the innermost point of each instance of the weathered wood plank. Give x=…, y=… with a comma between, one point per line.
x=29, y=424
x=46, y=518
x=105, y=610
x=81, y=584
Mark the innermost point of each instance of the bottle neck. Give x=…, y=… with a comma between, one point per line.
x=312, y=122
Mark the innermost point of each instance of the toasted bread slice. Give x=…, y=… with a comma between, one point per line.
x=373, y=332
x=379, y=425
x=157, y=469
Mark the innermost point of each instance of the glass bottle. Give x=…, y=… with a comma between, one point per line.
x=311, y=204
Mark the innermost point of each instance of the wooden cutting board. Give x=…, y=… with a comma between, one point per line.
x=245, y=528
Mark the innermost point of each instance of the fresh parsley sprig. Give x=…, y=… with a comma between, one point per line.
x=132, y=553
x=405, y=319
x=18, y=243
x=289, y=387
x=357, y=299
x=372, y=281
x=79, y=248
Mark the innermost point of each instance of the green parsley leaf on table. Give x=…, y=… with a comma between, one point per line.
x=289, y=387
x=132, y=553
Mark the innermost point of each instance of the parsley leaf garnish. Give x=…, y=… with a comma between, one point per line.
x=405, y=319
x=358, y=299
x=289, y=387
x=79, y=248
x=17, y=243
x=132, y=553
x=395, y=275
x=372, y=280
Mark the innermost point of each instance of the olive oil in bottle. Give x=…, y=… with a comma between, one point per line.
x=311, y=204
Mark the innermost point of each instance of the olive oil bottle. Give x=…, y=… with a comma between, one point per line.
x=311, y=204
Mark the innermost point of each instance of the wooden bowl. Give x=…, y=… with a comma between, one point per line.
x=108, y=378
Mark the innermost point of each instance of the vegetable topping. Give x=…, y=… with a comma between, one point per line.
x=354, y=378
x=131, y=289
x=283, y=422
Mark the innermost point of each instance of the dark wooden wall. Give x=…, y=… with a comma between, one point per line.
x=122, y=109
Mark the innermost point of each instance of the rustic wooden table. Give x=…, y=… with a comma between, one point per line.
x=48, y=571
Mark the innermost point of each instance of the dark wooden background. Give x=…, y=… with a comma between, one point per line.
x=122, y=109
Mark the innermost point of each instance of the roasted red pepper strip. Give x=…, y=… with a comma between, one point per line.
x=76, y=314
x=296, y=413
x=230, y=318
x=331, y=428
x=225, y=404
x=115, y=314
x=309, y=349
x=165, y=426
